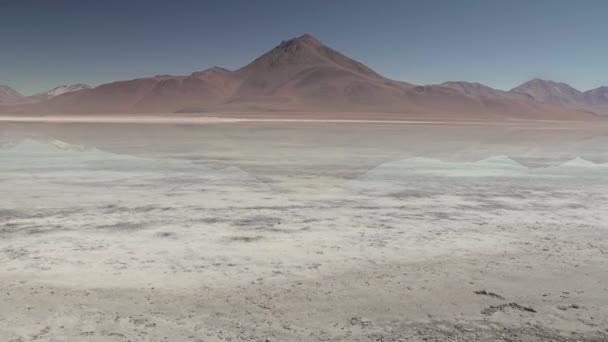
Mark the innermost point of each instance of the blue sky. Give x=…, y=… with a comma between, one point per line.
x=499, y=43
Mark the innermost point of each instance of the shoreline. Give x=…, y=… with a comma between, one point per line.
x=161, y=119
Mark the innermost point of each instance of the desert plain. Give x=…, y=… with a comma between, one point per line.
x=303, y=231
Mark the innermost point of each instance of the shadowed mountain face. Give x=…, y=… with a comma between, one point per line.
x=597, y=96
x=301, y=75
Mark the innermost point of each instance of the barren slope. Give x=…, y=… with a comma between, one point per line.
x=300, y=75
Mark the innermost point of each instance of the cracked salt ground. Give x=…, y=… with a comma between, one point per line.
x=110, y=247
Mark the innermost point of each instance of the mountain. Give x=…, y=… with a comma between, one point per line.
x=543, y=91
x=305, y=72
x=551, y=92
x=9, y=95
x=162, y=93
x=64, y=89
x=478, y=89
x=49, y=94
x=597, y=100
x=299, y=75
x=598, y=96
x=473, y=88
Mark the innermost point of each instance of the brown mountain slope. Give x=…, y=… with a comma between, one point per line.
x=551, y=92
x=298, y=75
x=597, y=96
x=478, y=89
x=597, y=100
x=538, y=91
x=163, y=93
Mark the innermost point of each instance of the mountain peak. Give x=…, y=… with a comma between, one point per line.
x=63, y=89
x=211, y=71
x=479, y=89
x=305, y=51
x=540, y=80
x=8, y=94
x=216, y=69
x=597, y=96
x=309, y=39
x=305, y=39
x=545, y=83
x=464, y=84
x=552, y=92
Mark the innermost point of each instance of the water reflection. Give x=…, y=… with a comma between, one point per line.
x=315, y=156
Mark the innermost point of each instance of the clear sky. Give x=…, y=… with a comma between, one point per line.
x=499, y=43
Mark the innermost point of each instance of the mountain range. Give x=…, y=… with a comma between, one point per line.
x=543, y=91
x=9, y=96
x=304, y=75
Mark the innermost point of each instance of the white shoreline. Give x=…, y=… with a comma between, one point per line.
x=214, y=120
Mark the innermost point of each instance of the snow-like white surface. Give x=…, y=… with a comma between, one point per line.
x=64, y=89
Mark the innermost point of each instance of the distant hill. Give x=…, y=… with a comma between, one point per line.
x=9, y=95
x=551, y=92
x=544, y=91
x=60, y=90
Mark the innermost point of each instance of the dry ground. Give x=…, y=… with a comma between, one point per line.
x=301, y=239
